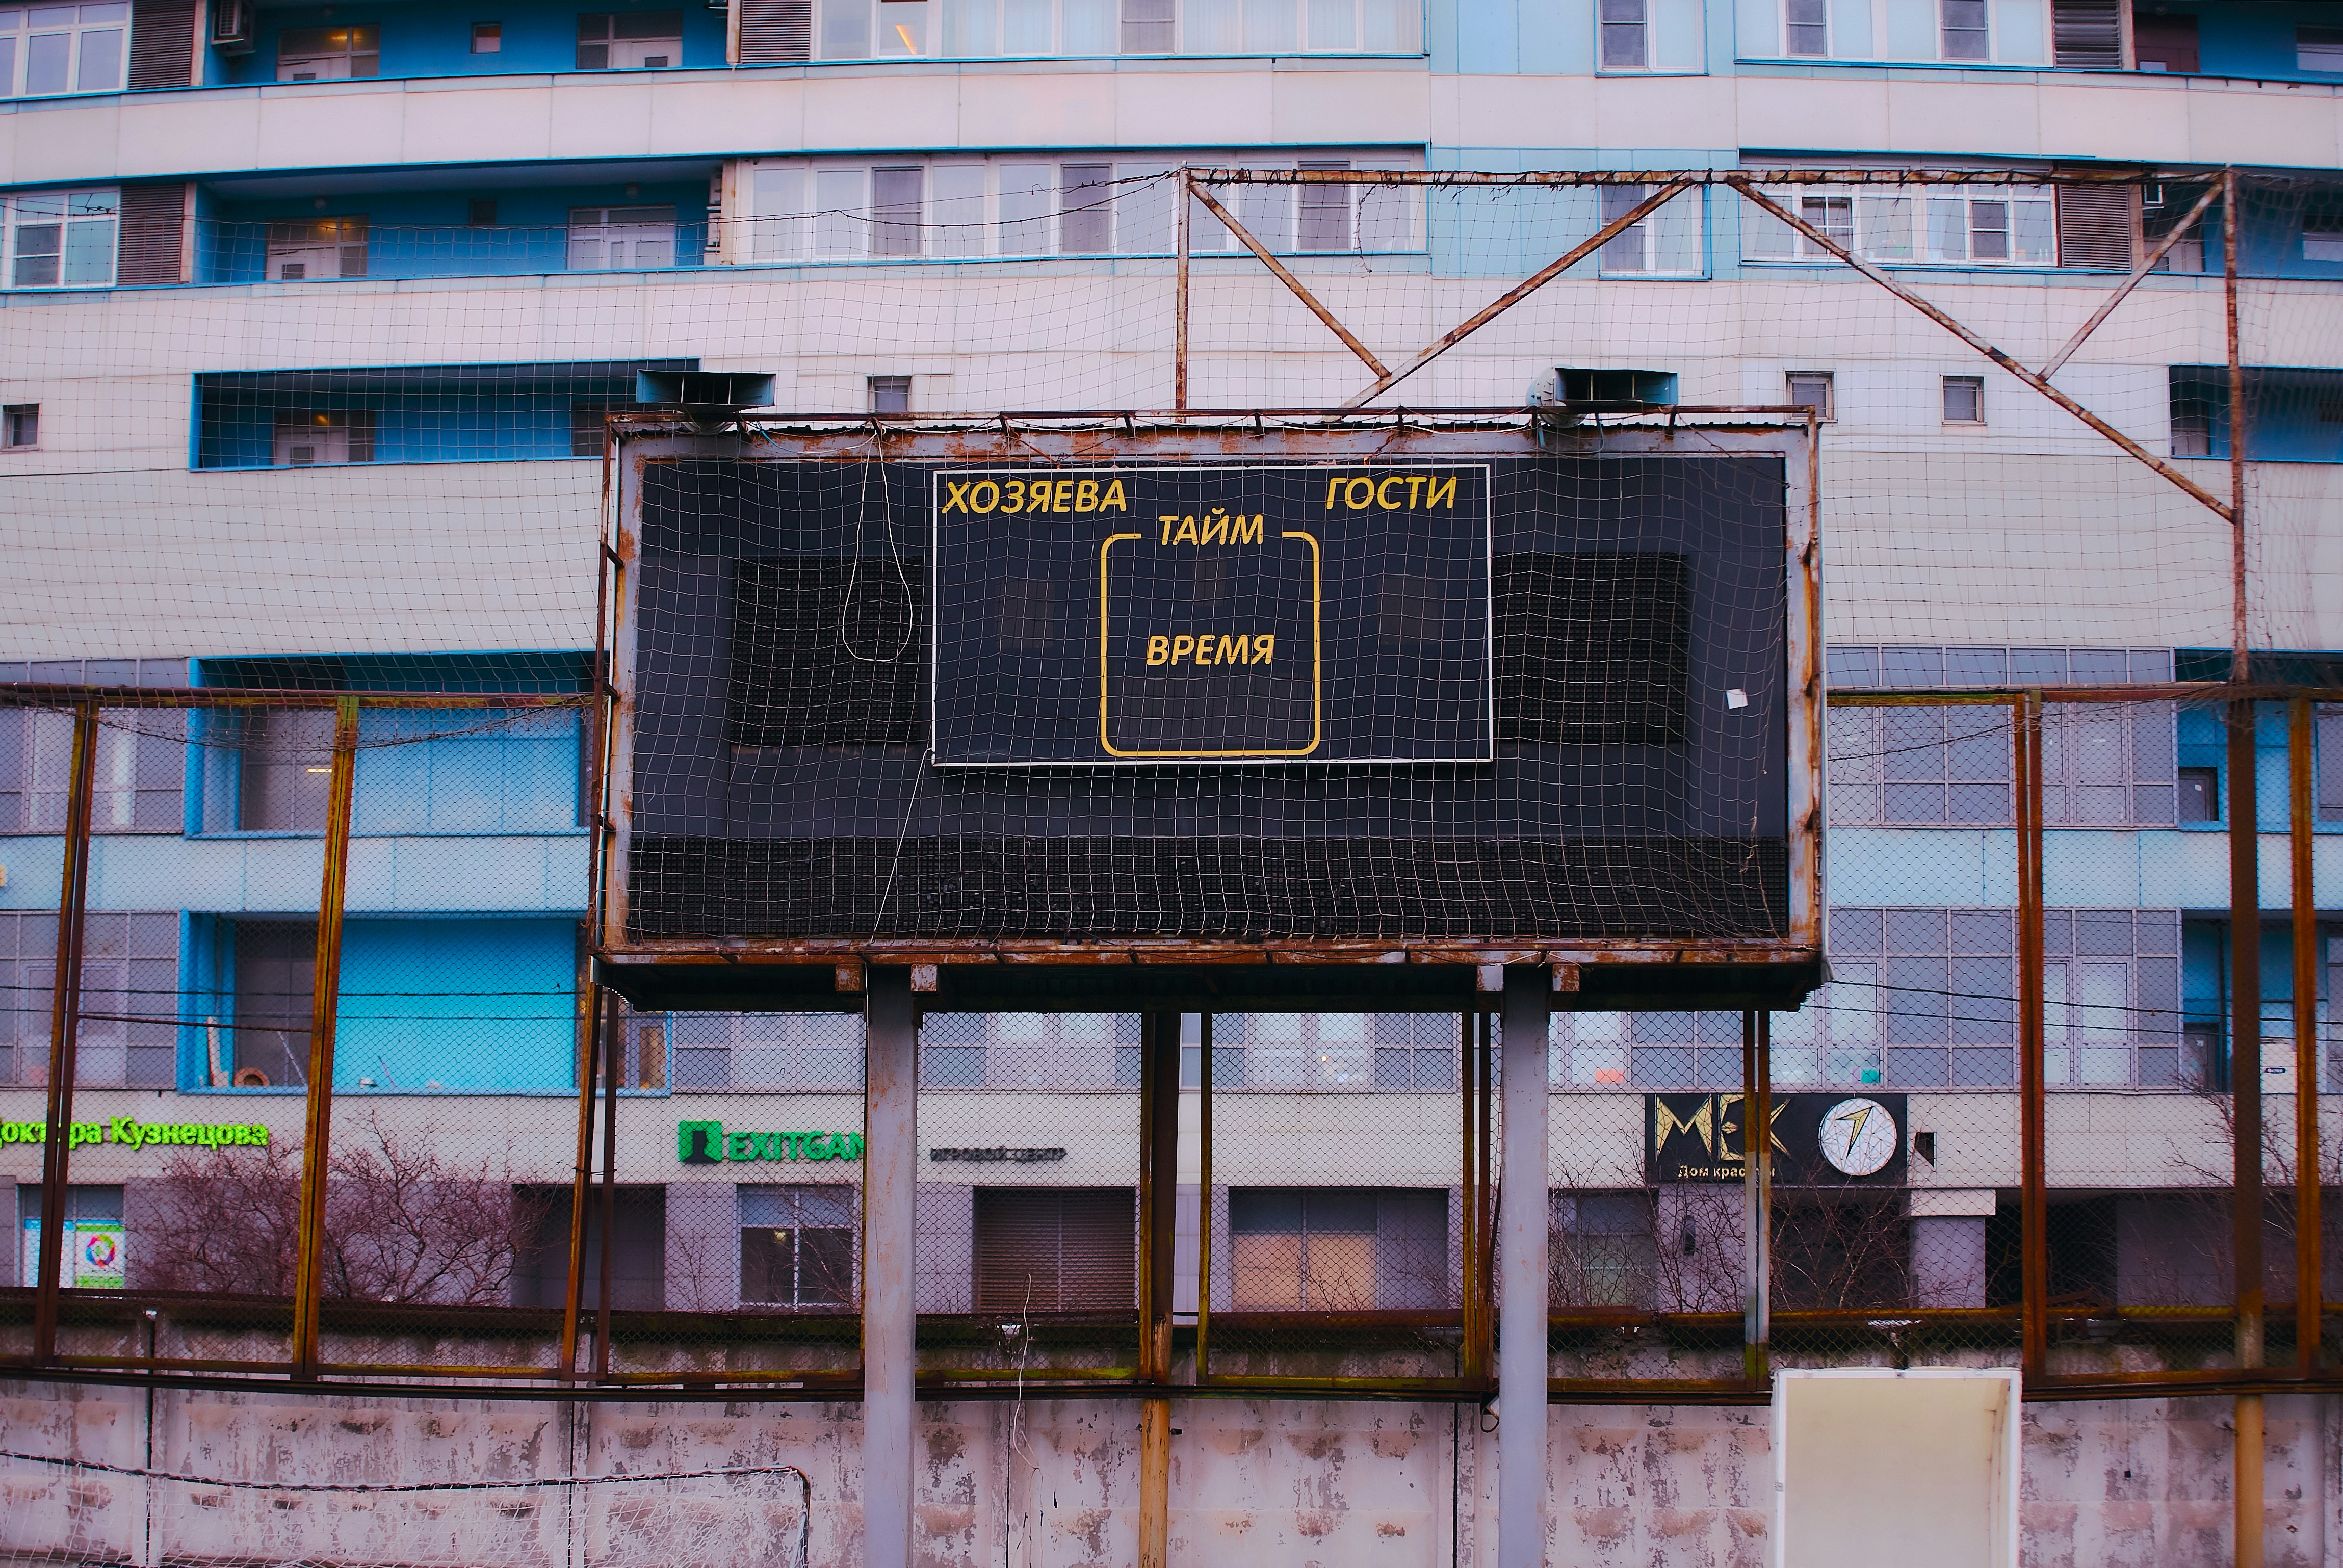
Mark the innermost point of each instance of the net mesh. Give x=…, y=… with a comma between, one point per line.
x=1977, y=536
x=74, y=1511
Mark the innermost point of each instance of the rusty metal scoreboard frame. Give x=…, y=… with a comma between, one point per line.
x=1073, y=972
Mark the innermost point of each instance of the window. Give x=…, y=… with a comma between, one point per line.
x=896, y=211
x=1415, y=1053
x=1623, y=28
x=1085, y=208
x=1666, y=240
x=2318, y=49
x=2200, y=794
x=307, y=250
x=1055, y=1249
x=2088, y=35
x=629, y=40
x=757, y=1049
x=276, y=981
x=20, y=425
x=1814, y=390
x=2322, y=236
x=540, y=1275
x=1337, y=1249
x=902, y=26
x=328, y=53
x=487, y=38
x=137, y=788
x=47, y=49
x=890, y=394
x=1963, y=399
x=2003, y=225
x=2164, y=42
x=797, y=1246
x=1808, y=26
x=480, y=212
x=306, y=439
x=130, y=984
x=588, y=420
x=2104, y=766
x=1964, y=30
x=96, y=1253
x=1147, y=26
x=1599, y=1249
x=616, y=237
x=62, y=239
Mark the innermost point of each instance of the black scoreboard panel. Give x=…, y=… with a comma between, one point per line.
x=1503, y=696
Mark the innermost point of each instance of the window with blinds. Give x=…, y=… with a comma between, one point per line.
x=2088, y=35
x=2096, y=225
x=1056, y=1249
x=153, y=245
x=162, y=44
x=773, y=32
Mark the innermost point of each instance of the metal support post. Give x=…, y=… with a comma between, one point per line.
x=890, y=1170
x=589, y=1042
x=1183, y=192
x=2246, y=1101
x=1758, y=1195
x=2308, y=1168
x=65, y=1034
x=1469, y=1365
x=2034, y=1197
x=1522, y=1285
x=325, y=986
x=1159, y=1187
x=1205, y=1205
x=611, y=1057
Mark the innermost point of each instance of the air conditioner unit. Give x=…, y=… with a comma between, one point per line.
x=232, y=25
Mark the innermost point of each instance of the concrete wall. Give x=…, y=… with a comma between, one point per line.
x=2109, y=1484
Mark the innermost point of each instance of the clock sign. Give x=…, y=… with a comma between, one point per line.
x=1858, y=1136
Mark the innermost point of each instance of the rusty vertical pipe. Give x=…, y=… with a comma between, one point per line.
x=65, y=1032
x=611, y=1059
x=1486, y=1282
x=1468, y=1203
x=325, y=1002
x=2034, y=1196
x=2307, y=1166
x=590, y=1044
x=2246, y=1101
x=1182, y=190
x=1159, y=1140
x=1757, y=1196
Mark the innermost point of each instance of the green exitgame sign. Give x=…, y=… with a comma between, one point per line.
x=706, y=1143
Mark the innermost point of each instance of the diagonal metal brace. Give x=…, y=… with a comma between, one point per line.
x=1285, y=275
x=2124, y=291
x=1528, y=285
x=1816, y=237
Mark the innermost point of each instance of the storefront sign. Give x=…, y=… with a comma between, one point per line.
x=1819, y=1140
x=706, y=1143
x=144, y=1134
x=996, y=1155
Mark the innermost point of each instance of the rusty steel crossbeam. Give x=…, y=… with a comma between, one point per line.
x=2218, y=507
x=2140, y=273
x=1527, y=286
x=1285, y=275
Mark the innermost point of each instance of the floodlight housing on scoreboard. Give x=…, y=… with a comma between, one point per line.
x=1077, y=712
